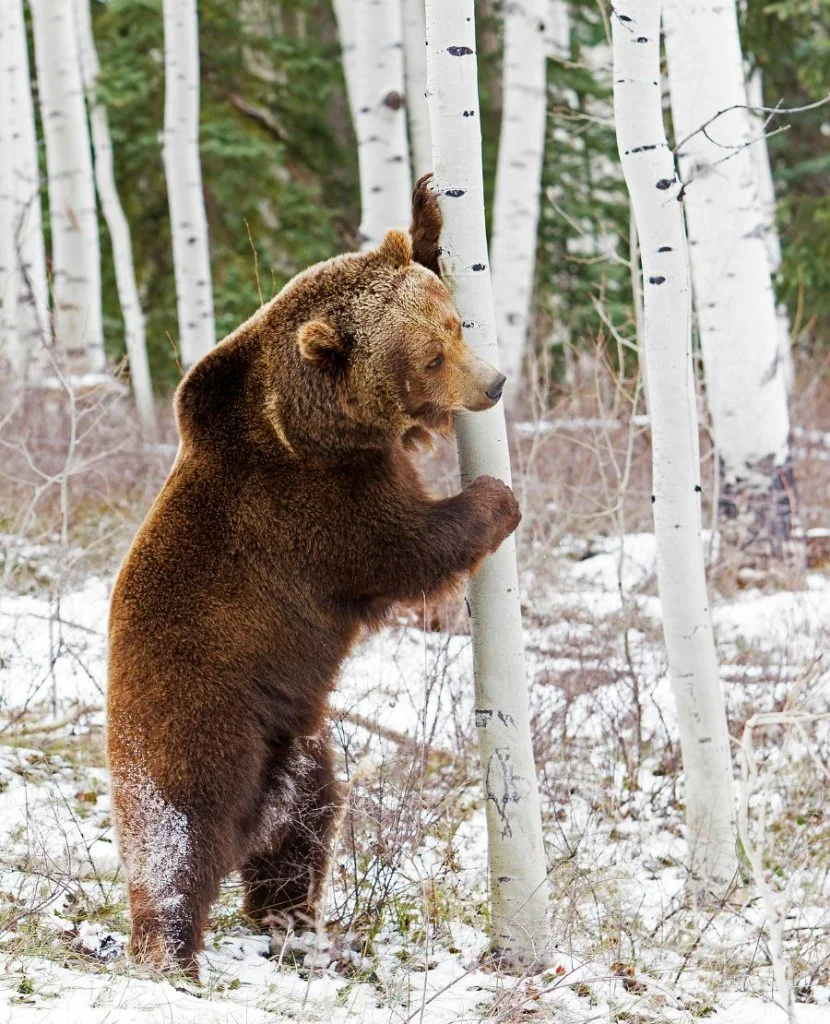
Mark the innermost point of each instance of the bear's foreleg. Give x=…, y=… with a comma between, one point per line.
x=430, y=545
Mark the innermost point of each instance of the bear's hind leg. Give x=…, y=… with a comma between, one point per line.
x=285, y=874
x=174, y=867
x=167, y=930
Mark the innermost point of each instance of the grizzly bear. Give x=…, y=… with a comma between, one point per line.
x=293, y=519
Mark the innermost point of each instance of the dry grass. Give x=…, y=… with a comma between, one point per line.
x=610, y=777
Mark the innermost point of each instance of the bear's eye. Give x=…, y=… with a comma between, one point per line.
x=435, y=363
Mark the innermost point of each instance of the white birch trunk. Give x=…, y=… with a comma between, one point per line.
x=557, y=31
x=766, y=202
x=415, y=67
x=649, y=172
x=183, y=173
x=119, y=229
x=344, y=15
x=518, y=880
x=382, y=145
x=519, y=177
x=734, y=297
x=76, y=256
x=11, y=353
x=30, y=285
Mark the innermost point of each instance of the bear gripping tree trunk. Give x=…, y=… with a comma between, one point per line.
x=518, y=880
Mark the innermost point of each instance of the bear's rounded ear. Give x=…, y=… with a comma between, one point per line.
x=318, y=343
x=396, y=248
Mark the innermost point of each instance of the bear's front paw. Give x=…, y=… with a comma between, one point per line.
x=499, y=503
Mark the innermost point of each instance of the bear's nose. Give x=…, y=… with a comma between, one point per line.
x=494, y=393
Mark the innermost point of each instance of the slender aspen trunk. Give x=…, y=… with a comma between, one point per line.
x=11, y=352
x=382, y=145
x=344, y=14
x=557, y=43
x=519, y=177
x=31, y=288
x=415, y=67
x=119, y=229
x=734, y=297
x=518, y=880
x=766, y=203
x=183, y=173
x=649, y=172
x=557, y=30
x=76, y=256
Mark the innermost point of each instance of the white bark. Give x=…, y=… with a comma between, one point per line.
x=730, y=271
x=10, y=349
x=31, y=288
x=557, y=30
x=344, y=14
x=649, y=172
x=382, y=145
x=415, y=67
x=518, y=881
x=183, y=173
x=119, y=229
x=766, y=202
x=519, y=177
x=76, y=256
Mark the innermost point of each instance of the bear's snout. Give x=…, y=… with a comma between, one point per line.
x=481, y=383
x=494, y=392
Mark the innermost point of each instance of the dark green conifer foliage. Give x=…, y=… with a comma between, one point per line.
x=584, y=224
x=278, y=160
x=789, y=40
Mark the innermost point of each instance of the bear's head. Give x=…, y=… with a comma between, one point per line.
x=354, y=353
x=389, y=350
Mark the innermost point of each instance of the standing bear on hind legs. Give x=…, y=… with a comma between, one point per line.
x=292, y=521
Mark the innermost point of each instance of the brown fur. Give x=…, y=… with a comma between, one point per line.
x=291, y=521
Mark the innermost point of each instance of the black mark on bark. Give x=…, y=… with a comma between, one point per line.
x=393, y=100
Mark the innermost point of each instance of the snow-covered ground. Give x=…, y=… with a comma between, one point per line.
x=407, y=901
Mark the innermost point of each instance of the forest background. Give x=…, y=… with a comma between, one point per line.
x=279, y=162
